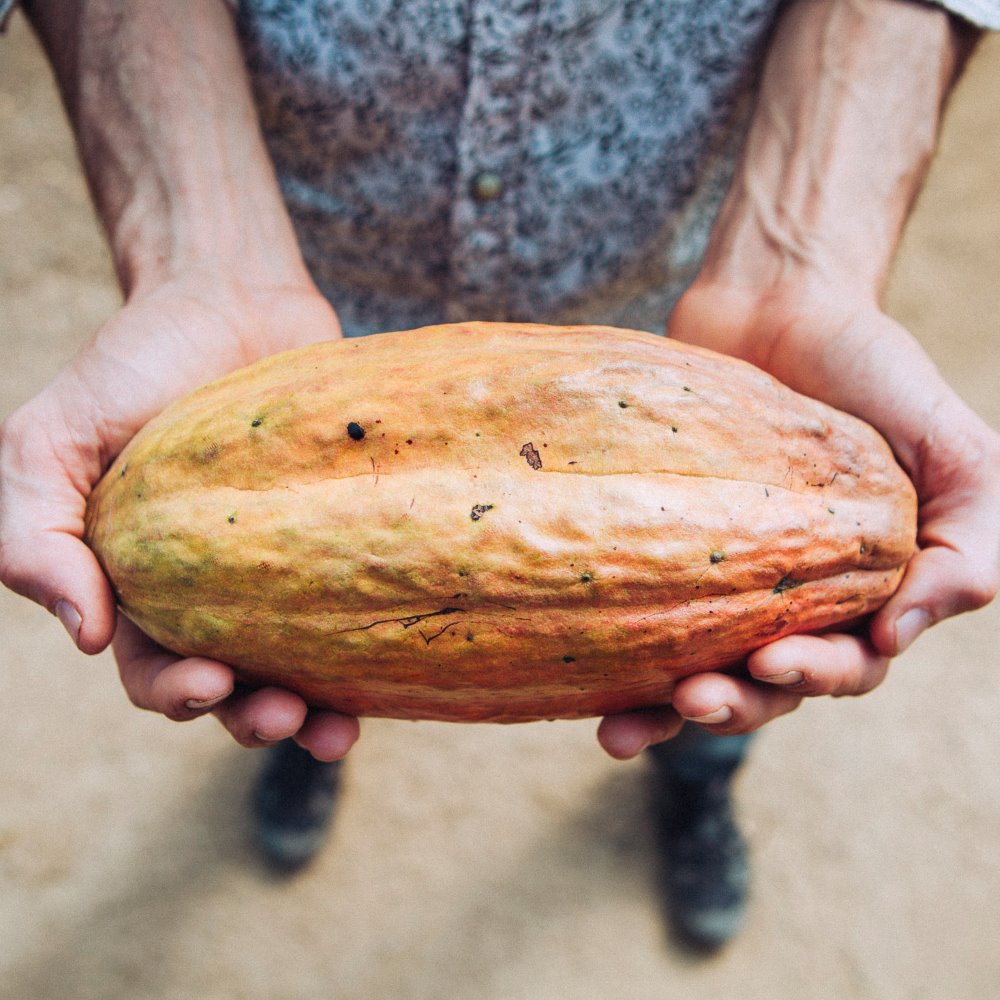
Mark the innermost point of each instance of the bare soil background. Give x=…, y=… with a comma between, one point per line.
x=490, y=862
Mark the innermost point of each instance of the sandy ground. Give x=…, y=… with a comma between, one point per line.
x=489, y=862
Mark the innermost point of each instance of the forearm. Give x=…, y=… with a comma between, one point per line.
x=169, y=138
x=844, y=129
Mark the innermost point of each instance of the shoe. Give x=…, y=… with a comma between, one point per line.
x=706, y=871
x=293, y=806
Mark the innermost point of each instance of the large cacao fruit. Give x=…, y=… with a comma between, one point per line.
x=497, y=521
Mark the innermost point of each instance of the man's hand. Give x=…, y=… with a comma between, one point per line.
x=852, y=356
x=213, y=279
x=161, y=345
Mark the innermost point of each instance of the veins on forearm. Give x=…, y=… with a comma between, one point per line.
x=169, y=137
x=844, y=130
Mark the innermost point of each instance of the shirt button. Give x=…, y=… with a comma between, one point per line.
x=487, y=186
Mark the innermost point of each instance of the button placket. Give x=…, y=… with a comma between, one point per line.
x=489, y=158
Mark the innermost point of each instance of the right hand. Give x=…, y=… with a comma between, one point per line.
x=162, y=344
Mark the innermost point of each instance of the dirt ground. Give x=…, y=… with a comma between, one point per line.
x=489, y=862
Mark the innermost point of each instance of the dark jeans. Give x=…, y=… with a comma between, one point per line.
x=697, y=757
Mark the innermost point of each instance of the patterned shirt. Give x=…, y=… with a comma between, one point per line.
x=550, y=160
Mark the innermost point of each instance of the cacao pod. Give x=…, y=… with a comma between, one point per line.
x=497, y=521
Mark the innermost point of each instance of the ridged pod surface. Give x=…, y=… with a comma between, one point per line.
x=497, y=521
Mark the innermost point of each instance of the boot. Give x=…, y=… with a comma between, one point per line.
x=704, y=857
x=293, y=806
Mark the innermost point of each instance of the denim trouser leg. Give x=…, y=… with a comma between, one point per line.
x=697, y=757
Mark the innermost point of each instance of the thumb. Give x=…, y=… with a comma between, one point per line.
x=939, y=582
x=57, y=570
x=44, y=478
x=955, y=569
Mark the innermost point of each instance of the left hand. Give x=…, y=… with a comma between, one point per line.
x=845, y=351
x=163, y=343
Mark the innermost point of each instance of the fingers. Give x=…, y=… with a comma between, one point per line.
x=187, y=688
x=159, y=681
x=626, y=735
x=328, y=735
x=781, y=675
x=832, y=664
x=262, y=717
x=731, y=705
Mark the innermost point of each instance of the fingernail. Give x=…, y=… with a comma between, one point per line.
x=723, y=714
x=70, y=618
x=194, y=704
x=910, y=626
x=788, y=677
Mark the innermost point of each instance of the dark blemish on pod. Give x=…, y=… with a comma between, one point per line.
x=355, y=431
x=468, y=637
x=124, y=470
x=256, y=422
x=479, y=509
x=569, y=659
x=623, y=404
x=673, y=427
x=530, y=453
x=716, y=556
x=786, y=583
x=231, y=518
x=586, y=578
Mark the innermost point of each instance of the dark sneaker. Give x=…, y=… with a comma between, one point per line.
x=704, y=857
x=293, y=805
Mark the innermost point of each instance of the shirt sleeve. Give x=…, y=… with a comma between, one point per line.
x=6, y=6
x=982, y=13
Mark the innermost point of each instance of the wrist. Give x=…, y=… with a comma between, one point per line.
x=169, y=233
